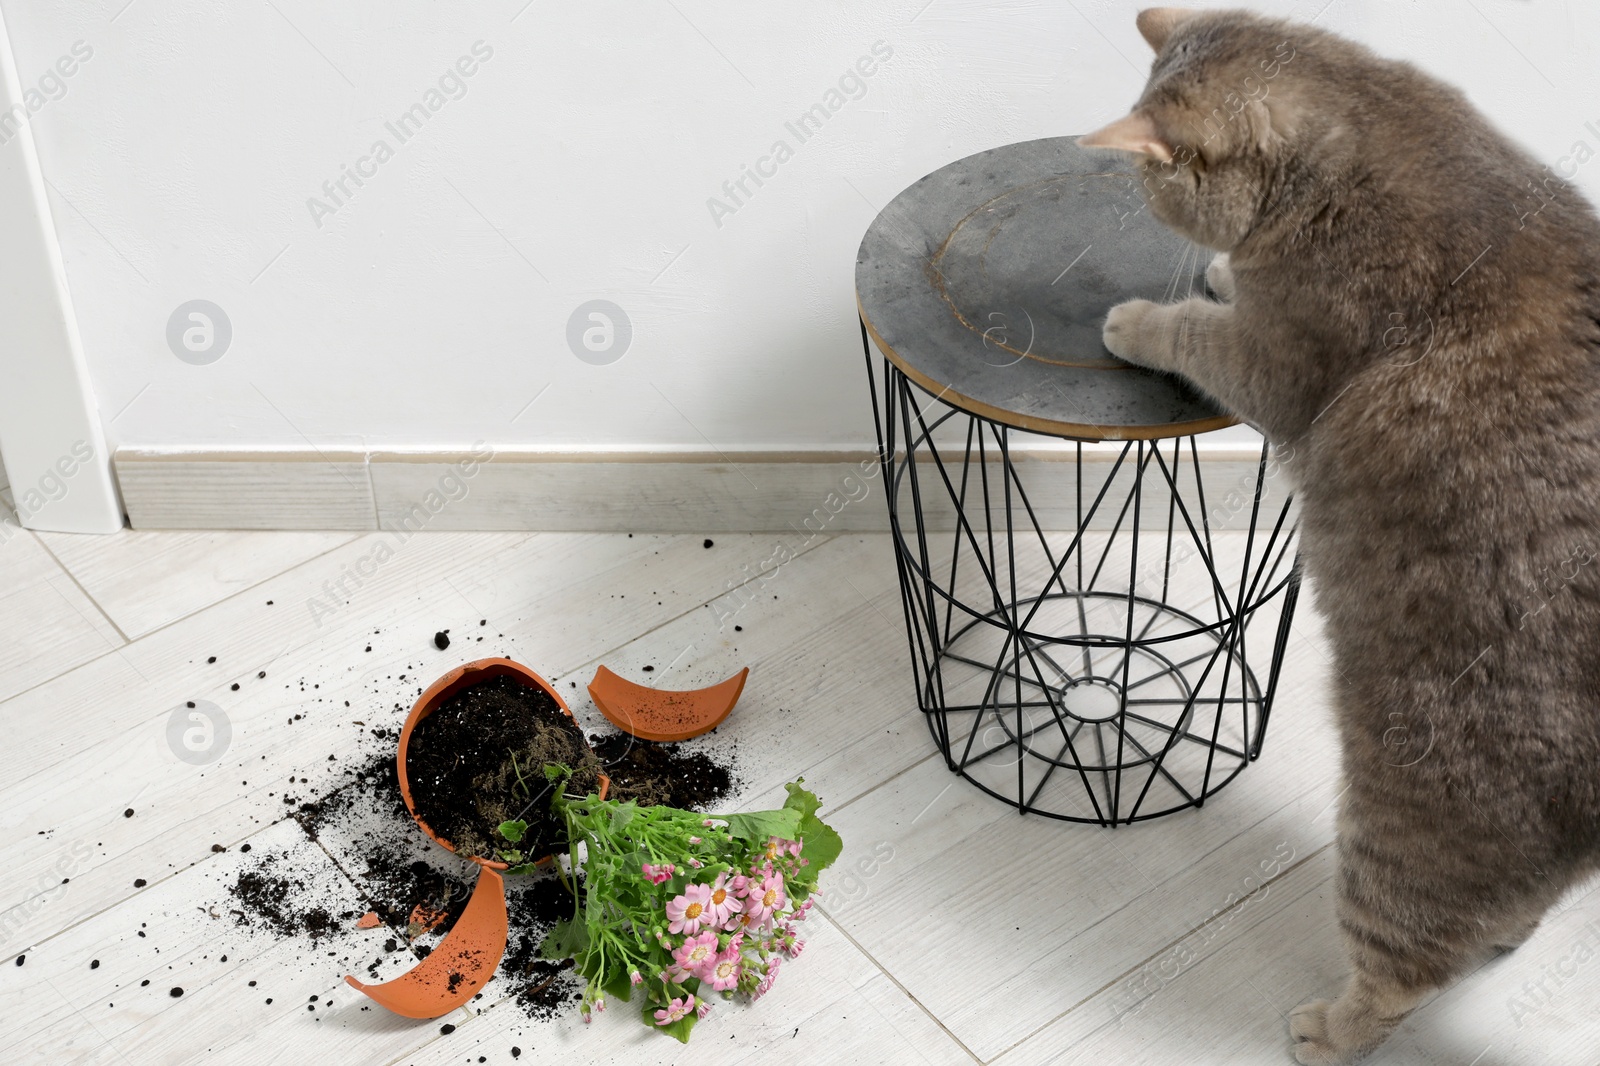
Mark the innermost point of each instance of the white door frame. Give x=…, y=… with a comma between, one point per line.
x=51, y=438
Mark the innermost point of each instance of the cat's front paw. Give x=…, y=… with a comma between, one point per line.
x=1123, y=333
x=1219, y=275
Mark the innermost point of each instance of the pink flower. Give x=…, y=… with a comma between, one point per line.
x=695, y=958
x=687, y=913
x=769, y=977
x=746, y=921
x=723, y=904
x=675, y=1011
x=703, y=1010
x=762, y=898
x=794, y=946
x=635, y=977
x=659, y=874
x=724, y=972
x=778, y=846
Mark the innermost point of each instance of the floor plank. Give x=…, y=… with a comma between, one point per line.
x=145, y=580
x=1231, y=995
x=830, y=1005
x=1227, y=1002
x=60, y=1010
x=47, y=624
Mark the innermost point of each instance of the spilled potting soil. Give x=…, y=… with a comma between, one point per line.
x=417, y=890
x=651, y=773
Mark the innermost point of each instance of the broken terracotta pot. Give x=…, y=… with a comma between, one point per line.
x=466, y=959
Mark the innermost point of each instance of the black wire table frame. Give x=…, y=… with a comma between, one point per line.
x=1046, y=680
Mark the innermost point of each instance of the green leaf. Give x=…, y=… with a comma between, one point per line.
x=512, y=831
x=567, y=940
x=821, y=844
x=619, y=986
x=801, y=799
x=680, y=1028
x=759, y=825
x=522, y=869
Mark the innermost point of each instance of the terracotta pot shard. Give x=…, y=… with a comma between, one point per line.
x=664, y=714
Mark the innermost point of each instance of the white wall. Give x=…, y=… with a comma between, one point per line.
x=429, y=309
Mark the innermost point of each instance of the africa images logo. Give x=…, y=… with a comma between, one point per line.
x=852, y=85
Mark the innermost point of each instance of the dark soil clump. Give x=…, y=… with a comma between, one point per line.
x=394, y=880
x=267, y=900
x=542, y=987
x=478, y=760
x=650, y=773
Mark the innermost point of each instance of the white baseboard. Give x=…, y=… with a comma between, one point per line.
x=822, y=491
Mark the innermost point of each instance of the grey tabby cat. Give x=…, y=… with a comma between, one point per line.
x=1411, y=310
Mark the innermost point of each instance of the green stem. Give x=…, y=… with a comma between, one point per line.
x=526, y=791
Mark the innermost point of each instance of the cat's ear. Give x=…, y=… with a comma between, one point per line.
x=1157, y=23
x=1134, y=133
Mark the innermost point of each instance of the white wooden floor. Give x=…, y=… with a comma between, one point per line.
x=983, y=936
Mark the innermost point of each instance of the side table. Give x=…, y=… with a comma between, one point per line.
x=1085, y=627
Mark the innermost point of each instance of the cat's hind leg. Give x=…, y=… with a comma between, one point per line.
x=1413, y=915
x=1515, y=933
x=1404, y=933
x=1346, y=1029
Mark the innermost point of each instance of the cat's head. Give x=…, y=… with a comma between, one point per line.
x=1220, y=115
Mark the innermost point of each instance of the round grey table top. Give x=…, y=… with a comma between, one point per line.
x=988, y=281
